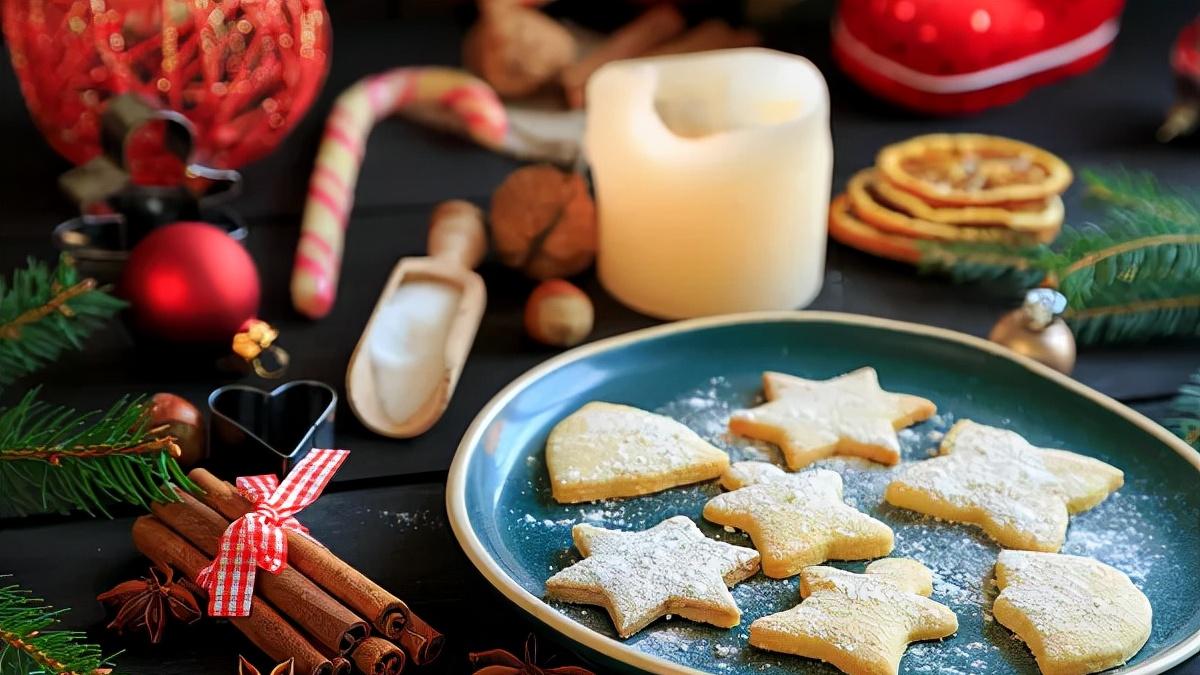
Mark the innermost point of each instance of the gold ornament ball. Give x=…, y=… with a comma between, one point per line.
x=1053, y=345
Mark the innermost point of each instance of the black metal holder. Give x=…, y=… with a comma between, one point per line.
x=118, y=212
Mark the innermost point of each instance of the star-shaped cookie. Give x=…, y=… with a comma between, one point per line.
x=1077, y=615
x=605, y=450
x=796, y=519
x=814, y=419
x=671, y=568
x=860, y=623
x=1021, y=495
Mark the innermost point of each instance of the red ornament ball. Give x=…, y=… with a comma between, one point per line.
x=189, y=282
x=244, y=73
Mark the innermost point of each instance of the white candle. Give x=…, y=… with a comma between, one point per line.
x=712, y=175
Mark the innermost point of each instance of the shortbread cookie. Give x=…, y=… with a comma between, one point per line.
x=1077, y=615
x=814, y=419
x=796, y=519
x=605, y=450
x=671, y=568
x=1021, y=495
x=860, y=623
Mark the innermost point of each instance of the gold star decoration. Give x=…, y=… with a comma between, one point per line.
x=815, y=419
x=796, y=519
x=671, y=568
x=860, y=623
x=1021, y=495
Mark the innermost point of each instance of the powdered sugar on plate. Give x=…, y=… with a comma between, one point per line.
x=1130, y=531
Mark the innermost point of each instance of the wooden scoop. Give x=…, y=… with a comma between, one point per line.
x=457, y=243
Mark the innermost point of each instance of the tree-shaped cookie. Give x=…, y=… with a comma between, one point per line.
x=1077, y=615
x=1021, y=495
x=860, y=623
x=605, y=450
x=796, y=519
x=814, y=419
x=671, y=568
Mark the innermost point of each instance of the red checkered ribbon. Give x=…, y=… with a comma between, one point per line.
x=259, y=538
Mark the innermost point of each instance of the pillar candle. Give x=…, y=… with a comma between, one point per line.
x=712, y=174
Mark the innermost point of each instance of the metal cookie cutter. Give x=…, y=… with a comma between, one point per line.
x=117, y=212
x=252, y=432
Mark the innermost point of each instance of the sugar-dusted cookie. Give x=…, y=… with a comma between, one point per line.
x=796, y=519
x=1077, y=615
x=814, y=419
x=671, y=568
x=1021, y=495
x=860, y=623
x=606, y=450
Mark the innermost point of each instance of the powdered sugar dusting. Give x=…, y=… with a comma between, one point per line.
x=1131, y=530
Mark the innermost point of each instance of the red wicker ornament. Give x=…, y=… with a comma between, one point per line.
x=964, y=56
x=244, y=73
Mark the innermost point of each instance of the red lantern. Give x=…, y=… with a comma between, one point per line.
x=244, y=73
x=190, y=282
x=963, y=56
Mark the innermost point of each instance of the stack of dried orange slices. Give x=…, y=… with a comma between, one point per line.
x=956, y=188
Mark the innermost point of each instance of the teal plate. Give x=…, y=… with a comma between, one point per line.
x=499, y=501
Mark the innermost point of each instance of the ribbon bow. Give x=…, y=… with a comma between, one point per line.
x=259, y=538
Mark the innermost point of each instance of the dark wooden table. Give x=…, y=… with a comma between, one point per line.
x=385, y=511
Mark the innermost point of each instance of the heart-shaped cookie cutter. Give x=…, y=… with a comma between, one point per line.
x=252, y=432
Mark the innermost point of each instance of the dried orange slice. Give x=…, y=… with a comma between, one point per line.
x=846, y=228
x=965, y=169
x=872, y=210
x=1032, y=216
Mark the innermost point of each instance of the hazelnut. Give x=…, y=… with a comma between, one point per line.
x=544, y=222
x=558, y=314
x=183, y=421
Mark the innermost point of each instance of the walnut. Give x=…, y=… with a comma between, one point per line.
x=544, y=222
x=516, y=49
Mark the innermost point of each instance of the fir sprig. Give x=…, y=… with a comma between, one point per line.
x=1133, y=278
x=45, y=312
x=54, y=458
x=29, y=646
x=1185, y=409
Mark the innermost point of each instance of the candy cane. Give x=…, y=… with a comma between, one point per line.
x=441, y=96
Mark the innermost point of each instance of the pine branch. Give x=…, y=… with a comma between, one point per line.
x=45, y=312
x=1133, y=279
x=29, y=647
x=1186, y=408
x=58, y=459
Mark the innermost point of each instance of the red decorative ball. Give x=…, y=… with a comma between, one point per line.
x=963, y=56
x=189, y=282
x=244, y=73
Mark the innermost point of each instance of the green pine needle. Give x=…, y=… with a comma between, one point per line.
x=28, y=646
x=1186, y=411
x=56, y=459
x=45, y=312
x=1131, y=279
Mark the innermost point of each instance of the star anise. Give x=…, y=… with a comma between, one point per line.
x=503, y=662
x=286, y=668
x=148, y=603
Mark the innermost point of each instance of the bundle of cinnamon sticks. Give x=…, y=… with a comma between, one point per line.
x=318, y=609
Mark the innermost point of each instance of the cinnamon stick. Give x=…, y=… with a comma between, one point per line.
x=324, y=618
x=655, y=26
x=269, y=631
x=376, y=656
x=711, y=34
x=342, y=665
x=386, y=612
